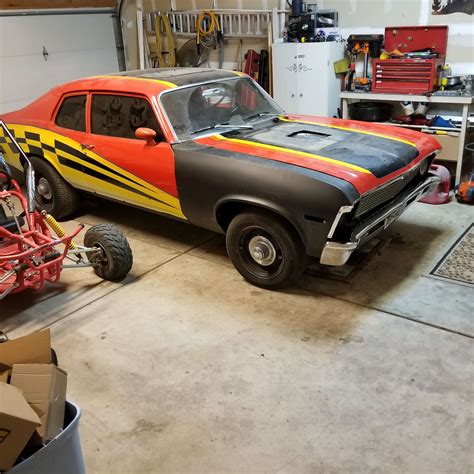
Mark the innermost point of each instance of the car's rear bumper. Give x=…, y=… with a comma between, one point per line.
x=337, y=253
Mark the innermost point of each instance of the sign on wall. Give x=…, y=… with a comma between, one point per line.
x=445, y=7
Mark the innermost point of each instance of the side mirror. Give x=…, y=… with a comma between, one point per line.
x=147, y=134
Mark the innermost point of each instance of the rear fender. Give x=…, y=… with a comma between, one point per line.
x=43, y=143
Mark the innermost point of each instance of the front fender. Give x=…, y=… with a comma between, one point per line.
x=255, y=201
x=208, y=178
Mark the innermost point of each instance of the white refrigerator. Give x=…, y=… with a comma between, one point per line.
x=304, y=81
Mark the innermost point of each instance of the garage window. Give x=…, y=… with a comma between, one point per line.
x=72, y=113
x=120, y=116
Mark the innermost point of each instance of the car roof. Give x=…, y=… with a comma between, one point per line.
x=180, y=76
x=149, y=81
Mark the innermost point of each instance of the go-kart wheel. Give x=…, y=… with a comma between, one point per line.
x=53, y=194
x=114, y=259
x=265, y=249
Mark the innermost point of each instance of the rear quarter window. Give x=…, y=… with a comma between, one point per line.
x=72, y=113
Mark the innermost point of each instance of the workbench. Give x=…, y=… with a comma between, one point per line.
x=463, y=102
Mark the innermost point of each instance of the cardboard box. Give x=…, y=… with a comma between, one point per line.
x=44, y=388
x=34, y=348
x=450, y=146
x=4, y=376
x=18, y=422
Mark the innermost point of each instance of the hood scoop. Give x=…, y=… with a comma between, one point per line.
x=308, y=138
x=309, y=135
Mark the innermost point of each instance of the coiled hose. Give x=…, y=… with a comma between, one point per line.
x=171, y=59
x=202, y=24
x=209, y=33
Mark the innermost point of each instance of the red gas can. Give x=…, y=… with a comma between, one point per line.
x=441, y=194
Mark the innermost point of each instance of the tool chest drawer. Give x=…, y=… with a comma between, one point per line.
x=412, y=76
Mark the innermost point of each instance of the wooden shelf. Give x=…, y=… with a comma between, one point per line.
x=452, y=132
x=432, y=99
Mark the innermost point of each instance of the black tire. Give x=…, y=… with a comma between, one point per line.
x=116, y=259
x=259, y=231
x=370, y=111
x=53, y=194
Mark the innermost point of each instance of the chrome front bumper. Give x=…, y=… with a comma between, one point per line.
x=336, y=253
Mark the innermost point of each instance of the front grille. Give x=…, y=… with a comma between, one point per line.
x=380, y=196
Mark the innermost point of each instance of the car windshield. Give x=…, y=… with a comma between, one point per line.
x=217, y=106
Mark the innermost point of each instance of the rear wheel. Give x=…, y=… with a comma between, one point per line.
x=113, y=259
x=53, y=194
x=265, y=249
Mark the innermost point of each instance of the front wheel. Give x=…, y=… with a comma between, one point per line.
x=113, y=258
x=265, y=249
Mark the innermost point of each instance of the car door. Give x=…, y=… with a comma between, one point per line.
x=62, y=147
x=125, y=168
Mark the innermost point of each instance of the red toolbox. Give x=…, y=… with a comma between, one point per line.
x=419, y=74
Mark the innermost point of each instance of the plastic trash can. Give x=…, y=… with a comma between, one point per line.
x=61, y=455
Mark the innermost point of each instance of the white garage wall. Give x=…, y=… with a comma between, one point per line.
x=78, y=45
x=356, y=16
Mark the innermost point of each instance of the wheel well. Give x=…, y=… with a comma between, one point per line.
x=228, y=210
x=30, y=155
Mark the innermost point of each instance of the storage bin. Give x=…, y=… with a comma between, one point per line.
x=61, y=455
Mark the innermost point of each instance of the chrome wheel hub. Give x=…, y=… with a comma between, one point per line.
x=262, y=250
x=44, y=189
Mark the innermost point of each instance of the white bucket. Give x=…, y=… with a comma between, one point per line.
x=61, y=455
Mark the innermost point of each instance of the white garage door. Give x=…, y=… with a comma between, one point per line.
x=40, y=51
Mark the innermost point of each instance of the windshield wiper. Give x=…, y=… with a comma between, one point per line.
x=222, y=125
x=263, y=114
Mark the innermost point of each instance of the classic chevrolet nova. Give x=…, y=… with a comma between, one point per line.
x=212, y=148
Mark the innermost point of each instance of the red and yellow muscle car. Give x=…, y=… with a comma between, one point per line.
x=212, y=148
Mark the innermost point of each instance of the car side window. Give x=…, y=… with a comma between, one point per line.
x=72, y=113
x=120, y=116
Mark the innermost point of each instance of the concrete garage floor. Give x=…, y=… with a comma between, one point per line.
x=185, y=367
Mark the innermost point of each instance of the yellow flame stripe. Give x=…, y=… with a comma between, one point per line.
x=302, y=154
x=348, y=129
x=140, y=192
x=159, y=81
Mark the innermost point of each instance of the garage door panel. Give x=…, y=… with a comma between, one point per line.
x=14, y=105
x=24, y=77
x=64, y=66
x=76, y=32
x=80, y=32
x=78, y=45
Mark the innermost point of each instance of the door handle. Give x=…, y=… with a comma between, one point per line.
x=87, y=146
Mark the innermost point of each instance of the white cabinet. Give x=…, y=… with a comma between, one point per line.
x=304, y=81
